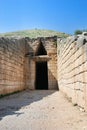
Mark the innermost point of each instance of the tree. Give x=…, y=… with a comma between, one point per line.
x=78, y=32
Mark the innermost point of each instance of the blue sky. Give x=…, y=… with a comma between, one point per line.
x=60, y=15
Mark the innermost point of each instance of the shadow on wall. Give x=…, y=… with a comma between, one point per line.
x=11, y=105
x=53, y=84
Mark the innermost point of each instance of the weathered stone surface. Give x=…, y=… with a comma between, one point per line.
x=12, y=65
x=19, y=56
x=18, y=63
x=72, y=69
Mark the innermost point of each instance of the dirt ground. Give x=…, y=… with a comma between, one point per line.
x=40, y=110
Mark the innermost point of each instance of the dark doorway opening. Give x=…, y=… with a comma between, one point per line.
x=41, y=75
x=41, y=81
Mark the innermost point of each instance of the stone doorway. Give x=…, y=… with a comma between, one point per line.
x=41, y=76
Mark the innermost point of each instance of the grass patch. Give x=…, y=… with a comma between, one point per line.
x=34, y=33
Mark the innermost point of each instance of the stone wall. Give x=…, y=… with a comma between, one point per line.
x=18, y=65
x=72, y=68
x=13, y=65
x=50, y=45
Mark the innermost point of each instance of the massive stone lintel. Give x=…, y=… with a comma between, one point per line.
x=41, y=58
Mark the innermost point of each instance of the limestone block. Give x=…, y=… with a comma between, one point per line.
x=80, y=98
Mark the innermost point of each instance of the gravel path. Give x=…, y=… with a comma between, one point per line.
x=40, y=110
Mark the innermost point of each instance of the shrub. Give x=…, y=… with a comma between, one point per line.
x=78, y=32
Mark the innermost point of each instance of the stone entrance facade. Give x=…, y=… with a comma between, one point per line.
x=27, y=63
x=43, y=63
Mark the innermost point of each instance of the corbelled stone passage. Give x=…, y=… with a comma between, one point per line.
x=72, y=68
x=23, y=59
x=40, y=64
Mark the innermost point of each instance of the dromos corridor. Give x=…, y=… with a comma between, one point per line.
x=40, y=110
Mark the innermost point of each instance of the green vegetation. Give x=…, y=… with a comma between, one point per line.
x=35, y=33
x=80, y=31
